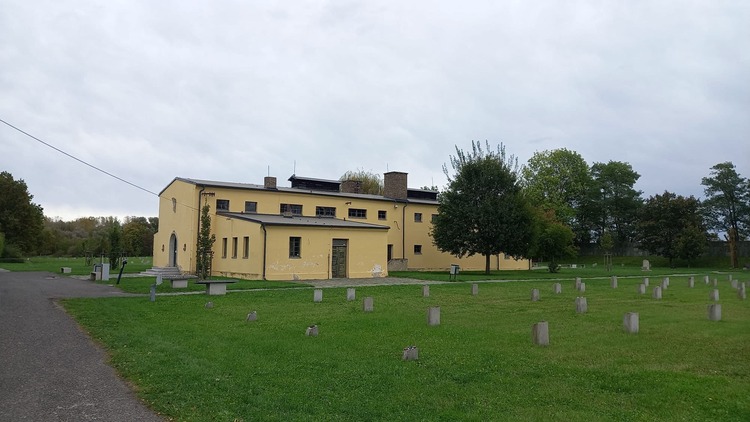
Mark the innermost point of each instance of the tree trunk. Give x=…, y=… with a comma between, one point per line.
x=487, y=264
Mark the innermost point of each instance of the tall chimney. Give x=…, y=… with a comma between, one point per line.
x=394, y=185
x=351, y=186
x=269, y=182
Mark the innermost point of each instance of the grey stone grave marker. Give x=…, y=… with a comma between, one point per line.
x=706, y=279
x=716, y=282
x=252, y=316
x=578, y=283
x=714, y=295
x=741, y=293
x=557, y=288
x=642, y=289
x=367, y=304
x=613, y=282
x=534, y=295
x=318, y=295
x=734, y=284
x=411, y=353
x=209, y=305
x=433, y=315
x=425, y=291
x=474, y=289
x=582, y=305
x=714, y=312
x=582, y=287
x=657, y=292
x=691, y=282
x=312, y=331
x=540, y=333
x=630, y=322
x=351, y=294
x=646, y=265
x=645, y=281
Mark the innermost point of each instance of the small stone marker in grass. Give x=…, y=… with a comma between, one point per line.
x=367, y=304
x=734, y=283
x=741, y=293
x=730, y=277
x=666, y=280
x=534, y=295
x=433, y=315
x=716, y=282
x=252, y=316
x=645, y=281
x=706, y=279
x=714, y=312
x=642, y=289
x=540, y=333
x=410, y=353
x=209, y=305
x=578, y=283
x=318, y=295
x=474, y=289
x=646, y=265
x=582, y=287
x=312, y=331
x=425, y=291
x=557, y=288
x=657, y=293
x=664, y=284
x=630, y=322
x=351, y=294
x=613, y=282
x=714, y=295
x=582, y=305
x=691, y=282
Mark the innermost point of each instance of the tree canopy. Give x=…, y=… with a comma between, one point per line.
x=483, y=210
x=370, y=182
x=672, y=226
x=21, y=220
x=727, y=204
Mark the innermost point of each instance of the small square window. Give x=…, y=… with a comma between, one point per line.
x=417, y=217
x=294, y=209
x=251, y=206
x=382, y=215
x=295, y=246
x=417, y=249
x=222, y=205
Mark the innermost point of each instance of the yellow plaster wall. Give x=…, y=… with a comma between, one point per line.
x=180, y=218
x=231, y=263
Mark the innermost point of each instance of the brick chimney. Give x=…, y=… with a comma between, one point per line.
x=394, y=185
x=269, y=182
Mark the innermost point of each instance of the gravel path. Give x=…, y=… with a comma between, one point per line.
x=51, y=370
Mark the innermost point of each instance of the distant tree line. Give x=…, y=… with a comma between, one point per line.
x=25, y=231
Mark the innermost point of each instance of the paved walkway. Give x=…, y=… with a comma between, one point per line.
x=50, y=370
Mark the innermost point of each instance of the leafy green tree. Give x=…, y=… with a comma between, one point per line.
x=611, y=203
x=2, y=243
x=557, y=180
x=727, y=204
x=115, y=244
x=205, y=244
x=370, y=182
x=138, y=236
x=554, y=241
x=21, y=220
x=668, y=225
x=483, y=210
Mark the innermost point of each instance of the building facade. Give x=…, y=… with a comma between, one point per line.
x=315, y=229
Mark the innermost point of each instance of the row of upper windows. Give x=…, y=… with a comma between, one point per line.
x=296, y=209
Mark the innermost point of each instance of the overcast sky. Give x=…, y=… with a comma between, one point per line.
x=226, y=90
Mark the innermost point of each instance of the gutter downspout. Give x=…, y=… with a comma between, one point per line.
x=403, y=230
x=265, y=248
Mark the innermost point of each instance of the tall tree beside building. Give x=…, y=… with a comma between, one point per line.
x=370, y=182
x=553, y=241
x=205, y=244
x=483, y=210
x=727, y=205
x=672, y=226
x=557, y=180
x=611, y=203
x=21, y=220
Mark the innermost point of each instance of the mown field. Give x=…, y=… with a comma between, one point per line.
x=191, y=363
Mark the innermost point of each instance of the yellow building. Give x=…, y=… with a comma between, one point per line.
x=315, y=229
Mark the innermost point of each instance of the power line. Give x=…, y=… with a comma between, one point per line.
x=78, y=159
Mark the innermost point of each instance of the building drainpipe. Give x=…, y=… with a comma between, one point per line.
x=403, y=230
x=265, y=248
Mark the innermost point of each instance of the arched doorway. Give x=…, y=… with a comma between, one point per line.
x=173, y=250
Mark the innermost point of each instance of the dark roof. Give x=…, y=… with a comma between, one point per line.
x=296, y=220
x=314, y=184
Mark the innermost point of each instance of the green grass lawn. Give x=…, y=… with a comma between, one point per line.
x=77, y=265
x=191, y=363
x=143, y=285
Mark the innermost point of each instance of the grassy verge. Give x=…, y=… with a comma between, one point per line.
x=143, y=285
x=77, y=265
x=193, y=364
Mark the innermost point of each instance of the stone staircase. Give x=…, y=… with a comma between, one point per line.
x=164, y=272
